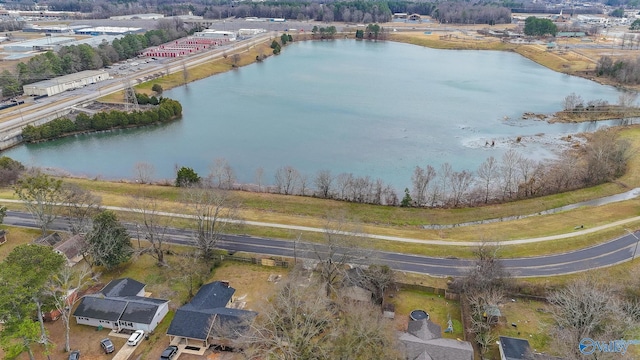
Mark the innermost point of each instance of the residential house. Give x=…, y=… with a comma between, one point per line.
x=206, y=320
x=423, y=340
x=121, y=305
x=514, y=349
x=71, y=249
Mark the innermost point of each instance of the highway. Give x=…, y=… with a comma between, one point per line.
x=18, y=118
x=606, y=254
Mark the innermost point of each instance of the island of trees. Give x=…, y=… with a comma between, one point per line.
x=166, y=110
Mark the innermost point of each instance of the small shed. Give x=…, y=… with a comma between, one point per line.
x=3, y=236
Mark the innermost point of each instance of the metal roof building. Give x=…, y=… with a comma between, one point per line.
x=45, y=43
x=63, y=83
x=108, y=30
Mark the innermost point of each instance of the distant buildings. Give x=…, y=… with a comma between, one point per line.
x=199, y=41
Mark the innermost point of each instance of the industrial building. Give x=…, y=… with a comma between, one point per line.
x=41, y=44
x=138, y=16
x=63, y=83
x=216, y=34
x=108, y=30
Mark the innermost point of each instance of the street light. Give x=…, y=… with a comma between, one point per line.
x=636, y=247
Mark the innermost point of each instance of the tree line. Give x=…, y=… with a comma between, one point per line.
x=483, y=12
x=602, y=158
x=168, y=109
x=622, y=70
x=75, y=58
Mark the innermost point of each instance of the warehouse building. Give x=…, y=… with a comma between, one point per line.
x=41, y=44
x=63, y=83
x=109, y=30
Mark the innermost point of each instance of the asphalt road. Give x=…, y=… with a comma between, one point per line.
x=610, y=253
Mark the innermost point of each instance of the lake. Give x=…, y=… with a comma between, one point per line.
x=367, y=108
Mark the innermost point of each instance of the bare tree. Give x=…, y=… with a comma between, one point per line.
x=421, y=179
x=481, y=322
x=301, y=322
x=293, y=324
x=214, y=212
x=286, y=180
x=445, y=177
x=343, y=182
x=509, y=177
x=259, y=178
x=460, y=184
x=488, y=173
x=323, y=182
x=144, y=172
x=64, y=289
x=41, y=194
x=152, y=226
x=338, y=249
x=572, y=101
x=587, y=308
x=80, y=207
x=192, y=271
x=304, y=184
x=221, y=174
x=606, y=156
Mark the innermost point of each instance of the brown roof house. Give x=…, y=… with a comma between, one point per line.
x=423, y=340
x=70, y=248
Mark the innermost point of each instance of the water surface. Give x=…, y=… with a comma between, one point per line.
x=376, y=109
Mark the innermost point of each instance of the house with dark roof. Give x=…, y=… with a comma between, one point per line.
x=121, y=305
x=71, y=249
x=514, y=349
x=423, y=340
x=206, y=319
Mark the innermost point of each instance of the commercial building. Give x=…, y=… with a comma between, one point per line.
x=63, y=83
x=151, y=16
x=108, y=30
x=41, y=44
x=215, y=34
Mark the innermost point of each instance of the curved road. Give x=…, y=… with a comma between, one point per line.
x=610, y=253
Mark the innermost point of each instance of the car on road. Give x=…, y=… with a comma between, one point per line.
x=135, y=338
x=74, y=355
x=107, y=346
x=169, y=353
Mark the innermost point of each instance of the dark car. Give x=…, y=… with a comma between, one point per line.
x=107, y=345
x=169, y=353
x=74, y=355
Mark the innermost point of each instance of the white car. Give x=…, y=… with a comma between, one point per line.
x=135, y=338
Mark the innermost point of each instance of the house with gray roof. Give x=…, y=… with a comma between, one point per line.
x=206, y=319
x=121, y=305
x=423, y=341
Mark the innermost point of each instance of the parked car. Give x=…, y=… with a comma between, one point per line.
x=169, y=353
x=107, y=345
x=74, y=355
x=135, y=338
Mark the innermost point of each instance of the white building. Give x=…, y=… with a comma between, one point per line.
x=121, y=305
x=63, y=83
x=216, y=34
x=250, y=32
x=151, y=16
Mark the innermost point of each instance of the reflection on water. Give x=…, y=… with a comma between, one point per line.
x=631, y=194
